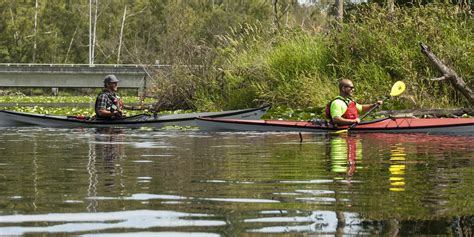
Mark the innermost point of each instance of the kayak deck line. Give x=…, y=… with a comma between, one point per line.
x=286, y=123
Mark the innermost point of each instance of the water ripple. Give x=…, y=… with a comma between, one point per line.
x=80, y=222
x=155, y=234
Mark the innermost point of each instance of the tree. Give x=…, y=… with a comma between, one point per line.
x=339, y=7
x=391, y=6
x=121, y=34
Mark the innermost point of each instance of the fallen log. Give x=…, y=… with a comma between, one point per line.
x=428, y=112
x=448, y=74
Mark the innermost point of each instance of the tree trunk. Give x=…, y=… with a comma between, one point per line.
x=275, y=14
x=35, y=30
x=279, y=12
x=121, y=34
x=12, y=16
x=70, y=44
x=90, y=32
x=391, y=6
x=94, y=38
x=339, y=10
x=449, y=74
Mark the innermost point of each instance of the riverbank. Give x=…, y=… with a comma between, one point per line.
x=301, y=69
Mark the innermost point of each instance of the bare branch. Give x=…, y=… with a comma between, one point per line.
x=448, y=73
x=70, y=44
x=440, y=78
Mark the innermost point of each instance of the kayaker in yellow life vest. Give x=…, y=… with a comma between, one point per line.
x=342, y=110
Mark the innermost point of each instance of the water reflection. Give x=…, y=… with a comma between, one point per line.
x=99, y=181
x=93, y=180
x=35, y=173
x=107, y=150
x=344, y=152
x=109, y=145
x=397, y=167
x=321, y=222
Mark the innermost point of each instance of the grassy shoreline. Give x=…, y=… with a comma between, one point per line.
x=301, y=69
x=276, y=112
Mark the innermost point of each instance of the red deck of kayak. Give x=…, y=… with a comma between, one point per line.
x=390, y=123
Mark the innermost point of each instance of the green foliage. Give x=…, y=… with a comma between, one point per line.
x=382, y=48
x=237, y=56
x=373, y=48
x=298, y=74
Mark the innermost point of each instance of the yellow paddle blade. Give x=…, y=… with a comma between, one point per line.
x=397, y=88
x=340, y=131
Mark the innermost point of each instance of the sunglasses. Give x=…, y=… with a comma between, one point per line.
x=352, y=88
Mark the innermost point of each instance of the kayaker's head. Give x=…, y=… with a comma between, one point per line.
x=111, y=83
x=346, y=88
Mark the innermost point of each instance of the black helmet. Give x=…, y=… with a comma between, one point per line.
x=110, y=78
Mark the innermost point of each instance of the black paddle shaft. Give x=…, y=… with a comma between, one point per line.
x=368, y=112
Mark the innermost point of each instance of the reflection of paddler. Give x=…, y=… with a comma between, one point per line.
x=345, y=150
x=105, y=146
x=109, y=148
x=397, y=168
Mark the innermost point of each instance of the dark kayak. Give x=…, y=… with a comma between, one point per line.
x=11, y=118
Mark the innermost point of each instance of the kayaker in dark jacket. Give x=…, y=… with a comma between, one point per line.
x=343, y=110
x=108, y=104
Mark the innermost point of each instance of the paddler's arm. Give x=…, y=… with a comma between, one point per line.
x=106, y=113
x=367, y=107
x=342, y=121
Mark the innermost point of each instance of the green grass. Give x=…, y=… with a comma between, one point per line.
x=299, y=69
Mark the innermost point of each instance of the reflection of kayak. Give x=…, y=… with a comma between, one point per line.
x=431, y=125
x=11, y=118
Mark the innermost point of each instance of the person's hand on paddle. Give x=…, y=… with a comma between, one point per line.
x=376, y=104
x=117, y=113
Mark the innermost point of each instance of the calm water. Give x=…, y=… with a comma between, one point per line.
x=190, y=183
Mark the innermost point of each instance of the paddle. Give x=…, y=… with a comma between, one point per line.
x=397, y=89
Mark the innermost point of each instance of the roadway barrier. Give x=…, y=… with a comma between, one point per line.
x=70, y=75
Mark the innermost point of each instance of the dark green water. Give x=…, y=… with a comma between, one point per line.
x=190, y=183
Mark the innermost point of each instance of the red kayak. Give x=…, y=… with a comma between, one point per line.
x=389, y=125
